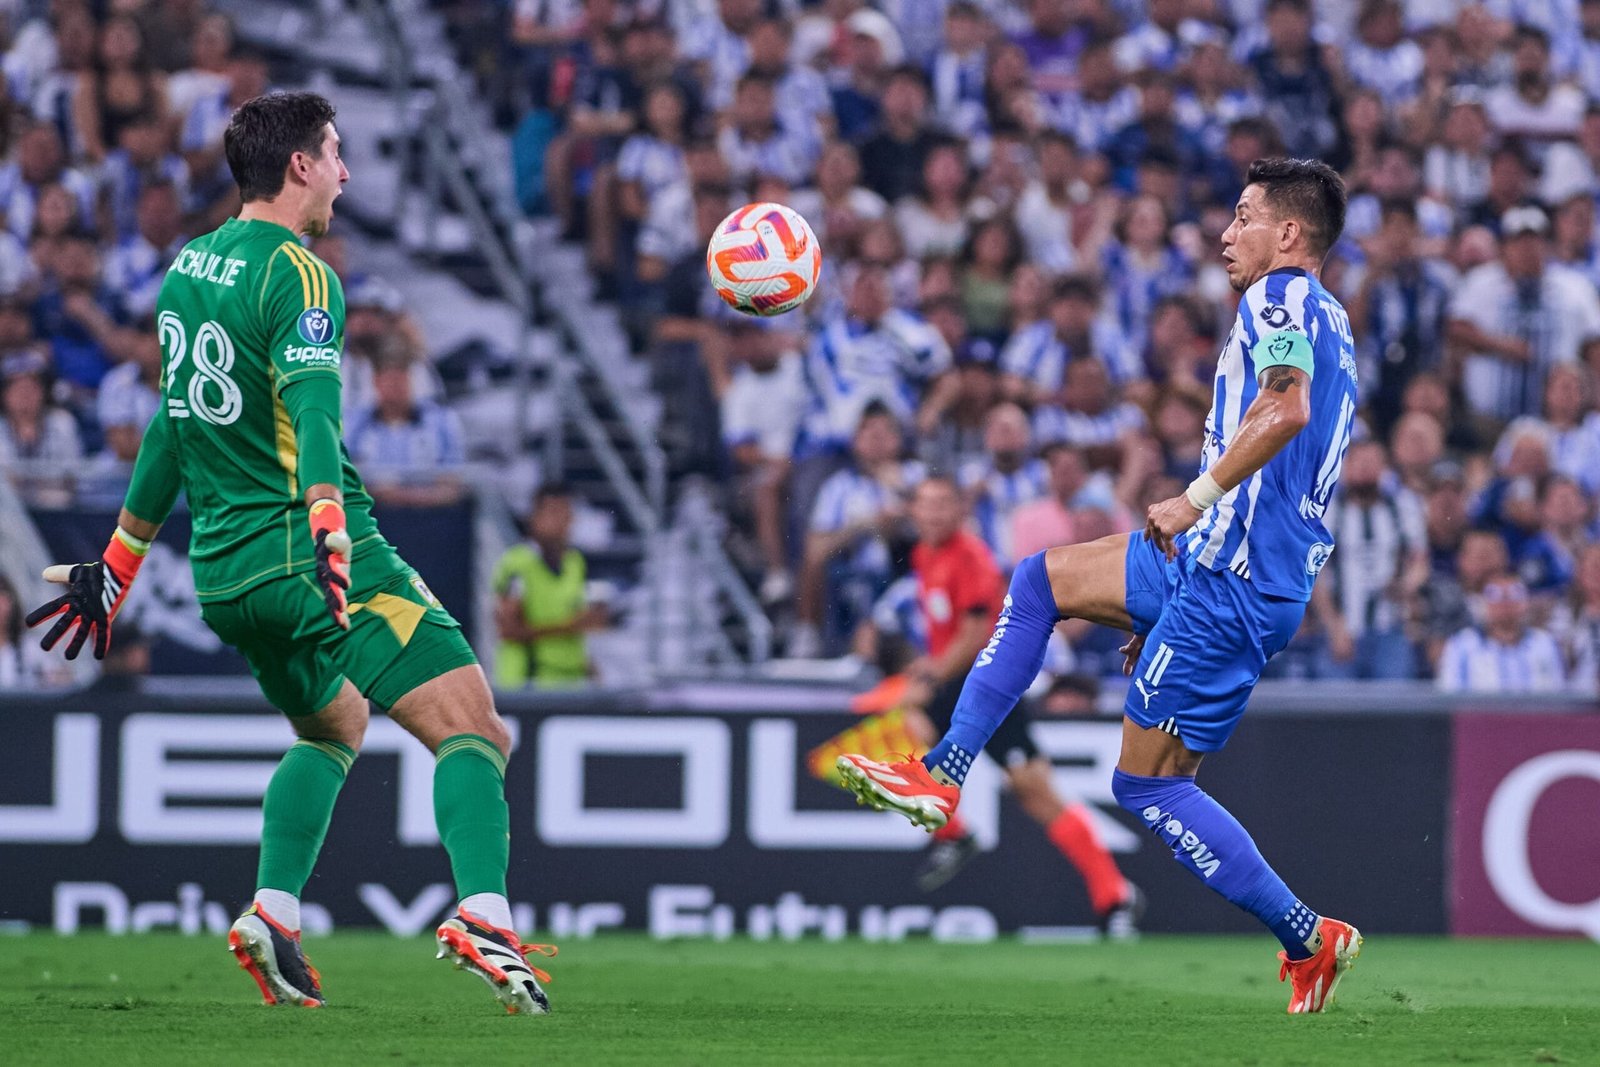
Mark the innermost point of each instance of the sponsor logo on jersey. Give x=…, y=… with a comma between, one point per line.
x=311, y=354
x=1275, y=315
x=1317, y=558
x=315, y=326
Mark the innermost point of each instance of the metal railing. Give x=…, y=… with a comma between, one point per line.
x=512, y=263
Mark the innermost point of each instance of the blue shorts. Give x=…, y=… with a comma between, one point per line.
x=1207, y=636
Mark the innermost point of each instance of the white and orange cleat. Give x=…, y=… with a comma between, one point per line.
x=271, y=953
x=904, y=787
x=498, y=957
x=1312, y=981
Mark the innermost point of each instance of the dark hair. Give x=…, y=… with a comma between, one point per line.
x=552, y=491
x=265, y=133
x=876, y=409
x=1398, y=205
x=909, y=72
x=11, y=621
x=1075, y=287
x=1307, y=190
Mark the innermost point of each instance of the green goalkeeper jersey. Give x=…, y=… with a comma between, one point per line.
x=252, y=332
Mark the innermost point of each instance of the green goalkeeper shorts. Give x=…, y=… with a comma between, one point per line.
x=400, y=636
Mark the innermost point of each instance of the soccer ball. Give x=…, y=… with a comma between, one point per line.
x=764, y=260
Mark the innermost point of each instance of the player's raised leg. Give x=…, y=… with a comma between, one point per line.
x=453, y=714
x=1194, y=676
x=295, y=813
x=1073, y=581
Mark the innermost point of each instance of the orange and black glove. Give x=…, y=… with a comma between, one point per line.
x=333, y=557
x=95, y=592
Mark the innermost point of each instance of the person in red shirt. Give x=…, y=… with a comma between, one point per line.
x=959, y=591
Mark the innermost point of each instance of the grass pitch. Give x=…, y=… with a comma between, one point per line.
x=163, y=999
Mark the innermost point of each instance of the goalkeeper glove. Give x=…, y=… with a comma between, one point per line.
x=95, y=592
x=333, y=556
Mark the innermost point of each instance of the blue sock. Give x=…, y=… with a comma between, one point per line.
x=1211, y=843
x=1002, y=672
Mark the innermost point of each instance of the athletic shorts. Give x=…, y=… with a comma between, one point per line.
x=1011, y=744
x=399, y=637
x=1207, y=636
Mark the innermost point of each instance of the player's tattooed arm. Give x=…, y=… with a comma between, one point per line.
x=1280, y=410
x=1281, y=379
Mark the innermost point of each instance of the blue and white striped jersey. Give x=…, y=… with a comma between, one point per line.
x=1269, y=529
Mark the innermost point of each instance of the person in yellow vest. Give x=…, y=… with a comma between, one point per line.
x=541, y=614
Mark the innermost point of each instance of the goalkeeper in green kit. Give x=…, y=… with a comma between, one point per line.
x=290, y=568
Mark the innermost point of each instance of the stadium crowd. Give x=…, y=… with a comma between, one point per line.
x=1020, y=205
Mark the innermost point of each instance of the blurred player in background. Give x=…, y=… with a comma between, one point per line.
x=956, y=589
x=1216, y=585
x=290, y=568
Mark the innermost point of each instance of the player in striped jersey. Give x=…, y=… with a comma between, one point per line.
x=1216, y=584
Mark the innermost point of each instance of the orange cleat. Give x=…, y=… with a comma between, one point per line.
x=904, y=787
x=271, y=953
x=500, y=958
x=1312, y=982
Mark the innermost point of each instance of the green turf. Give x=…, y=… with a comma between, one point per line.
x=157, y=999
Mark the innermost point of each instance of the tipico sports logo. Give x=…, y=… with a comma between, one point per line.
x=316, y=326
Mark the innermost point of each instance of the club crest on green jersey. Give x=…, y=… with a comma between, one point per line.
x=315, y=326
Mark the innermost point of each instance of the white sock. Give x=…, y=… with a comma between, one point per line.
x=492, y=908
x=283, y=907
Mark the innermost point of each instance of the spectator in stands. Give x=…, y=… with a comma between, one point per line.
x=77, y=312
x=934, y=221
x=206, y=75
x=1547, y=559
x=1142, y=266
x=408, y=449
x=542, y=614
x=40, y=163
x=1380, y=563
x=1398, y=310
x=763, y=401
x=1504, y=654
x=129, y=395
x=1576, y=622
x=1089, y=416
x=1456, y=167
x=1180, y=423
x=893, y=159
x=873, y=353
x=143, y=155
x=1569, y=429
x=1533, y=106
x=858, y=510
x=121, y=89
x=1054, y=517
x=1516, y=318
x=950, y=428
x=754, y=142
x=1416, y=447
x=13, y=670
x=137, y=264
x=1035, y=358
x=1451, y=599
x=1007, y=476
x=1295, y=81
x=36, y=432
x=200, y=137
x=838, y=206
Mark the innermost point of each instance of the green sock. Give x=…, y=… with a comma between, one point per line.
x=296, y=810
x=469, y=804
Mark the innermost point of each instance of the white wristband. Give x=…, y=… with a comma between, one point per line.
x=1203, y=491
